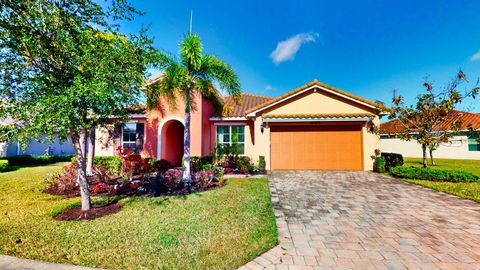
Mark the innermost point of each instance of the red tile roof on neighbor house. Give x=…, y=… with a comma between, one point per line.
x=248, y=101
x=467, y=120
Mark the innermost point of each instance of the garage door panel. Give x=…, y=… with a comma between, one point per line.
x=335, y=147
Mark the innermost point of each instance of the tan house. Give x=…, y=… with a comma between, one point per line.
x=463, y=145
x=314, y=127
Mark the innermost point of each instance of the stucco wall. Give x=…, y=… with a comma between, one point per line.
x=457, y=148
x=315, y=103
x=104, y=145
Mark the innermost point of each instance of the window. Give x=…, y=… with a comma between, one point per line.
x=129, y=136
x=232, y=135
x=473, y=143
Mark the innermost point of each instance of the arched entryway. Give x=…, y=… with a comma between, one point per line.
x=171, y=141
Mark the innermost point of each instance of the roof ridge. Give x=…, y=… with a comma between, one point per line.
x=251, y=94
x=324, y=85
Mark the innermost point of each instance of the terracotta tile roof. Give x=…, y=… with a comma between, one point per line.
x=467, y=120
x=327, y=115
x=248, y=101
x=320, y=84
x=140, y=108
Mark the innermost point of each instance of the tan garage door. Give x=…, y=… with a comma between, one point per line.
x=316, y=147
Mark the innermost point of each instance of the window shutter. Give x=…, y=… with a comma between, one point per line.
x=139, y=137
x=117, y=140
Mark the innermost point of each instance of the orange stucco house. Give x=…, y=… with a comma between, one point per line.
x=315, y=126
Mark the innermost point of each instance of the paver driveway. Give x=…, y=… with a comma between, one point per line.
x=362, y=220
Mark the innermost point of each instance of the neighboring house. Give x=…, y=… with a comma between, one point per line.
x=315, y=126
x=463, y=145
x=35, y=148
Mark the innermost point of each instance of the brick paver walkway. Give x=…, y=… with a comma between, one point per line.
x=362, y=220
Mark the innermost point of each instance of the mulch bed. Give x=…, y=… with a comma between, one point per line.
x=76, y=213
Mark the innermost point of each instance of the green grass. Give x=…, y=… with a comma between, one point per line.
x=469, y=191
x=218, y=229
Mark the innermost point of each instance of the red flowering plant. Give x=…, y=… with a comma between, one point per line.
x=203, y=178
x=172, y=179
x=228, y=170
x=99, y=187
x=134, y=165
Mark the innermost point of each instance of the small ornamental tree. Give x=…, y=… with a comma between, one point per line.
x=65, y=69
x=425, y=122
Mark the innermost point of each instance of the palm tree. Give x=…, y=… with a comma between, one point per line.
x=190, y=74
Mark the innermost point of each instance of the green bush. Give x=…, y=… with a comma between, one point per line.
x=196, y=163
x=22, y=160
x=3, y=165
x=379, y=165
x=112, y=163
x=392, y=160
x=434, y=174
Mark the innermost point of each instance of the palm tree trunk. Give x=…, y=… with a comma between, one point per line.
x=424, y=152
x=186, y=140
x=79, y=140
x=91, y=150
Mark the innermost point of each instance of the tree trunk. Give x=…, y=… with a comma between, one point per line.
x=424, y=152
x=432, y=162
x=91, y=151
x=77, y=140
x=186, y=140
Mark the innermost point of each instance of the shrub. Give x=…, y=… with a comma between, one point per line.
x=134, y=164
x=220, y=176
x=172, y=179
x=392, y=160
x=22, y=160
x=63, y=182
x=379, y=165
x=434, y=174
x=196, y=163
x=162, y=165
x=3, y=165
x=202, y=178
x=113, y=164
x=261, y=164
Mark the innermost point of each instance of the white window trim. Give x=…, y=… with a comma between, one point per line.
x=135, y=123
x=230, y=134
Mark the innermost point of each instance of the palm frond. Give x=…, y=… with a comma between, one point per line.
x=208, y=91
x=162, y=60
x=169, y=86
x=191, y=52
x=221, y=72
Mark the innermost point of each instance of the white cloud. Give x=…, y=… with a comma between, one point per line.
x=475, y=57
x=268, y=87
x=286, y=49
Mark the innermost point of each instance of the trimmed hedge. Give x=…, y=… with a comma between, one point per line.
x=379, y=165
x=434, y=175
x=3, y=165
x=392, y=160
x=22, y=160
x=112, y=163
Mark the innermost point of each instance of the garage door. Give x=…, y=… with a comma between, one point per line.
x=316, y=147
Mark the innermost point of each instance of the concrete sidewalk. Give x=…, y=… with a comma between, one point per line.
x=13, y=263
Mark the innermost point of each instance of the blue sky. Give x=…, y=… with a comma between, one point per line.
x=365, y=47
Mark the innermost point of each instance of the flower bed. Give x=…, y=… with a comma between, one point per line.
x=136, y=176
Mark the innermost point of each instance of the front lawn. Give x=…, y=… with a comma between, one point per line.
x=218, y=229
x=469, y=191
